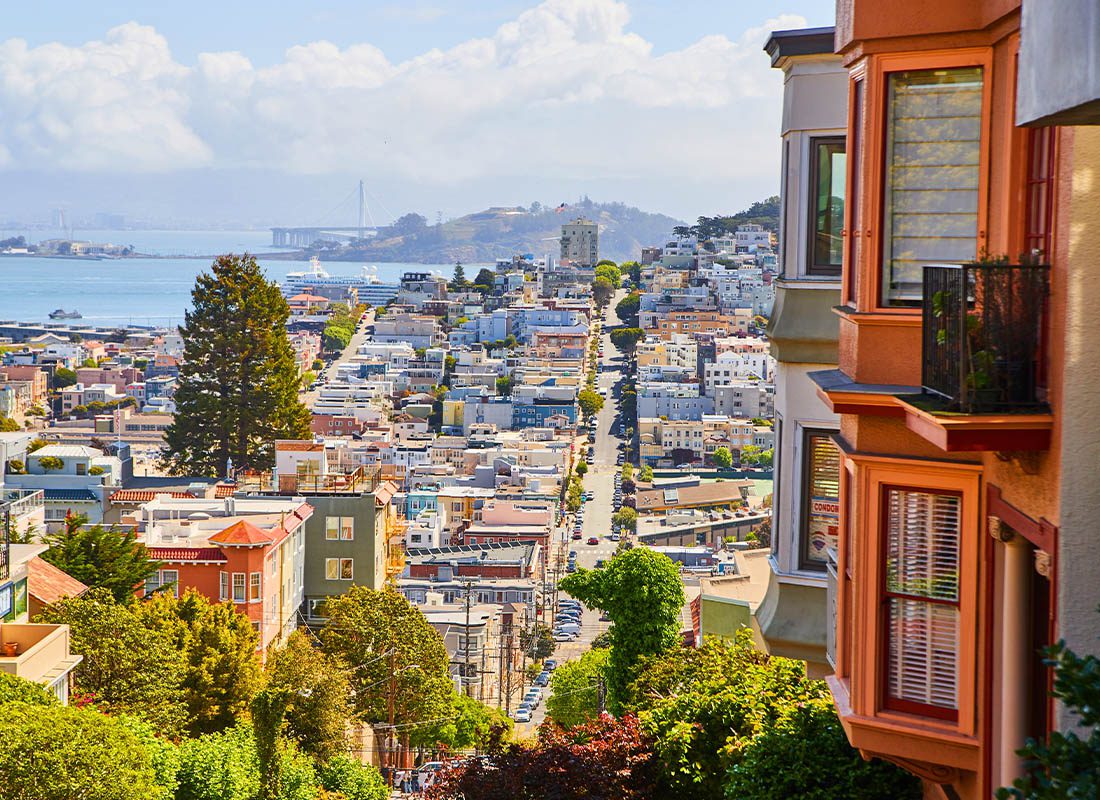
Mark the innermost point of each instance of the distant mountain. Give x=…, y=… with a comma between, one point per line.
x=502, y=232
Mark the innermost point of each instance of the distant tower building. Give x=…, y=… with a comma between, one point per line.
x=580, y=242
x=58, y=219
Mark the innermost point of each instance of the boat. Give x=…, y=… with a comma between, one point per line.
x=369, y=288
x=60, y=313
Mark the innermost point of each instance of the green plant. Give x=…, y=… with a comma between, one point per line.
x=96, y=470
x=51, y=463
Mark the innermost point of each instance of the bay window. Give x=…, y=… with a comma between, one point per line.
x=921, y=614
x=827, y=175
x=932, y=175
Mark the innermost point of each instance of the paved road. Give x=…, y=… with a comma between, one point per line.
x=359, y=337
x=597, y=518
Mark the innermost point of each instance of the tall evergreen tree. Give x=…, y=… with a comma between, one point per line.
x=238, y=387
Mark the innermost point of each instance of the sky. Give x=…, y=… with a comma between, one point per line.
x=256, y=113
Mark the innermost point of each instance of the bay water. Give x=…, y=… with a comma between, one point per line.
x=152, y=291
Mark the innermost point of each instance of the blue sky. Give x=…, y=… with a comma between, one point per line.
x=443, y=106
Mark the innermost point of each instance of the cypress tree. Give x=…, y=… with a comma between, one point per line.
x=238, y=385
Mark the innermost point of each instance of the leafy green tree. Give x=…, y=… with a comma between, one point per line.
x=51, y=463
x=602, y=290
x=128, y=668
x=627, y=308
x=645, y=474
x=485, y=277
x=753, y=455
x=353, y=781
x=632, y=269
x=805, y=755
x=96, y=556
x=537, y=642
x=320, y=696
x=238, y=386
x=627, y=518
x=1067, y=765
x=14, y=689
x=504, y=385
x=725, y=716
x=581, y=468
x=626, y=339
x=339, y=328
x=9, y=425
x=590, y=402
x=611, y=272
x=575, y=689
x=642, y=593
x=722, y=457
x=627, y=471
x=469, y=724
x=388, y=642
x=221, y=671
x=61, y=753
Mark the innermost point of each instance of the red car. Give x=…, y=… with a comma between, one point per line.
x=593, y=540
x=576, y=534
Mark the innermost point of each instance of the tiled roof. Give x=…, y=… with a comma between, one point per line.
x=48, y=584
x=223, y=490
x=187, y=554
x=304, y=447
x=144, y=495
x=242, y=534
x=718, y=493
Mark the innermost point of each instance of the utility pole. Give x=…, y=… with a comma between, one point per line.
x=468, y=586
x=391, y=755
x=601, y=695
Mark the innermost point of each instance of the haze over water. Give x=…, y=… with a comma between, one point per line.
x=142, y=291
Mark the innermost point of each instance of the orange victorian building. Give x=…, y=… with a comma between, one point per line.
x=966, y=383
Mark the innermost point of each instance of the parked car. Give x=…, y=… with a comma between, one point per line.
x=599, y=563
x=577, y=534
x=551, y=664
x=519, y=715
x=542, y=679
x=614, y=537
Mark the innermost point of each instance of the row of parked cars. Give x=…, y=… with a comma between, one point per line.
x=533, y=698
x=567, y=622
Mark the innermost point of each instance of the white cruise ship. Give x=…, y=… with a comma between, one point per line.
x=370, y=289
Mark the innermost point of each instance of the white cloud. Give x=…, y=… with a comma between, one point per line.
x=564, y=89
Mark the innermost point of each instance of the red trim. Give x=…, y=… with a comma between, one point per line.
x=1042, y=534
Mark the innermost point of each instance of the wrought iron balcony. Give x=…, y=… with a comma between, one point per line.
x=983, y=336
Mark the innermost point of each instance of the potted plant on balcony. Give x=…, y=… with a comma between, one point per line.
x=10, y=649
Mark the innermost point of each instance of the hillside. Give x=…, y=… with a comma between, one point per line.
x=503, y=232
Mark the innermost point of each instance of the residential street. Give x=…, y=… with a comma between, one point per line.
x=598, y=511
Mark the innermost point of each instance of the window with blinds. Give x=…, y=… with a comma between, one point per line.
x=922, y=601
x=820, y=498
x=933, y=149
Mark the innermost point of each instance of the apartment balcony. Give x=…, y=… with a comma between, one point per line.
x=42, y=654
x=359, y=480
x=982, y=365
x=21, y=502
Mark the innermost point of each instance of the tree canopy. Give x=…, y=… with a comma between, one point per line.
x=627, y=308
x=602, y=290
x=383, y=637
x=238, y=385
x=722, y=457
x=591, y=402
x=320, y=695
x=626, y=339
x=53, y=752
x=96, y=556
x=641, y=592
x=575, y=689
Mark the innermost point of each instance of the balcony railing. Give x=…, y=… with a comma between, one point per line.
x=983, y=336
x=21, y=501
x=355, y=481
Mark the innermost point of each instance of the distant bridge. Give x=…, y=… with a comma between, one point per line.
x=304, y=237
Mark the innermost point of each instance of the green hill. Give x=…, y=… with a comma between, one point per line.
x=503, y=232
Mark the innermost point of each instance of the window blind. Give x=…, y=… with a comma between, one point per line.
x=821, y=516
x=933, y=146
x=922, y=587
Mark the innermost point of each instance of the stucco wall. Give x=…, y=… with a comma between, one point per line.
x=1079, y=539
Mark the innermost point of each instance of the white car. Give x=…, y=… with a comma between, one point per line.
x=562, y=637
x=521, y=715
